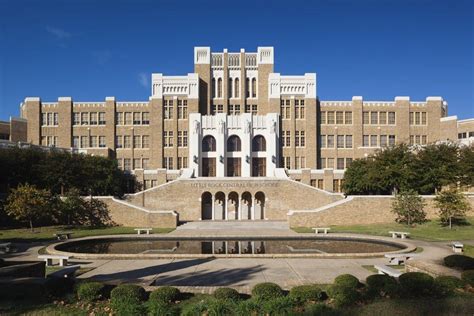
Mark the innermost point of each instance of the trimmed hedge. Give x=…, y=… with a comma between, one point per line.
x=416, y=284
x=382, y=285
x=306, y=293
x=344, y=290
x=445, y=285
x=126, y=299
x=267, y=291
x=226, y=293
x=459, y=261
x=347, y=280
x=165, y=294
x=468, y=277
x=90, y=291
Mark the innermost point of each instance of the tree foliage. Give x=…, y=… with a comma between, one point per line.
x=452, y=204
x=408, y=206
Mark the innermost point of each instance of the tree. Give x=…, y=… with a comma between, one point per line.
x=27, y=203
x=408, y=206
x=452, y=204
x=72, y=206
x=466, y=166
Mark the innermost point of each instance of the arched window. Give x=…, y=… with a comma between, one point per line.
x=254, y=88
x=219, y=88
x=230, y=88
x=213, y=88
x=247, y=88
x=259, y=143
x=236, y=88
x=233, y=143
x=208, y=143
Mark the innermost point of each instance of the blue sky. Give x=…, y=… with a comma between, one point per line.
x=375, y=48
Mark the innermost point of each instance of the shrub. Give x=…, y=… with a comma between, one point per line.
x=306, y=293
x=459, y=261
x=226, y=293
x=24, y=290
x=267, y=291
x=248, y=307
x=165, y=294
x=347, y=280
x=415, y=284
x=282, y=305
x=210, y=306
x=126, y=299
x=343, y=295
x=468, y=277
x=162, y=309
x=90, y=291
x=445, y=285
x=320, y=309
x=58, y=287
x=382, y=285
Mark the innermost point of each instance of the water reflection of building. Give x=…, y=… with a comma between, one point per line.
x=222, y=247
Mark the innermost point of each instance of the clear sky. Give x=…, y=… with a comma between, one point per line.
x=378, y=49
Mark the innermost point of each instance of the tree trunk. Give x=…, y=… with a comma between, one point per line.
x=450, y=224
x=31, y=225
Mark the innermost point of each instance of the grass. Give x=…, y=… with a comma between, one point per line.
x=47, y=233
x=469, y=250
x=429, y=231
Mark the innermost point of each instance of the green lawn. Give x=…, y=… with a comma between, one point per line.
x=430, y=231
x=47, y=233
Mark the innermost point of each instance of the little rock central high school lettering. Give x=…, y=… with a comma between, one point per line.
x=233, y=185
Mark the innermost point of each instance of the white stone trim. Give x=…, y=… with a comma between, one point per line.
x=448, y=118
x=202, y=55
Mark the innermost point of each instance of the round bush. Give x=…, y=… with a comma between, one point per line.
x=415, y=284
x=381, y=285
x=90, y=291
x=306, y=293
x=267, y=291
x=343, y=295
x=460, y=262
x=468, y=277
x=165, y=294
x=347, y=280
x=126, y=299
x=445, y=285
x=226, y=293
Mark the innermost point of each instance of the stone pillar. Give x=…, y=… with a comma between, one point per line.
x=213, y=199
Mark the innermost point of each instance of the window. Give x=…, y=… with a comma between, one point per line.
x=302, y=109
x=322, y=163
x=330, y=117
x=287, y=162
x=93, y=142
x=219, y=88
x=182, y=162
x=383, y=140
x=391, y=140
x=229, y=88
x=213, y=88
x=383, y=118
x=119, y=118
x=182, y=109
x=145, y=141
x=254, y=87
x=76, y=118
x=340, y=141
x=348, y=117
x=84, y=143
x=234, y=109
x=247, y=88
x=137, y=120
x=136, y=163
x=209, y=144
x=145, y=162
x=120, y=163
x=417, y=139
x=44, y=119
x=259, y=143
x=285, y=109
x=365, y=141
x=75, y=141
x=168, y=138
x=127, y=164
x=391, y=118
x=84, y=118
x=128, y=118
x=102, y=141
x=339, y=117
x=118, y=142
x=145, y=118
x=312, y=182
x=299, y=139
x=348, y=141
x=323, y=117
x=233, y=143
x=412, y=139
x=168, y=162
x=297, y=109
x=330, y=163
x=320, y=184
x=412, y=120
x=330, y=141
x=322, y=141
x=417, y=118
x=423, y=118
x=93, y=117
x=365, y=117
x=137, y=141
x=182, y=138
x=236, y=88
x=168, y=109
x=286, y=139
x=55, y=119
x=373, y=140
x=101, y=118
x=127, y=141
x=340, y=163
x=374, y=118
x=50, y=119
x=348, y=162
x=423, y=140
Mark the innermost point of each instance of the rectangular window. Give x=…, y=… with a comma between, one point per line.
x=102, y=141
x=330, y=163
x=137, y=120
x=145, y=162
x=101, y=118
x=330, y=117
x=302, y=110
x=118, y=141
x=340, y=163
x=348, y=141
x=383, y=118
x=254, y=109
x=297, y=110
x=391, y=140
x=50, y=119
x=383, y=140
x=412, y=118
x=119, y=118
x=182, y=109
x=84, y=118
x=312, y=182
x=55, y=119
x=339, y=117
x=127, y=141
x=136, y=163
x=340, y=141
x=417, y=118
x=297, y=162
x=137, y=141
x=323, y=117
x=412, y=139
x=120, y=163
x=365, y=117
x=93, y=117
x=417, y=139
x=128, y=118
x=423, y=118
x=348, y=117
x=297, y=138
x=322, y=141
x=168, y=138
x=374, y=118
x=423, y=140
x=365, y=141
x=220, y=108
x=145, y=118
x=391, y=118
x=44, y=119
x=322, y=163
x=127, y=164
x=348, y=162
x=93, y=142
x=168, y=162
x=76, y=118
x=288, y=162
x=145, y=141
x=302, y=139
x=373, y=140
x=75, y=141
x=330, y=141
x=84, y=143
x=321, y=184
x=168, y=109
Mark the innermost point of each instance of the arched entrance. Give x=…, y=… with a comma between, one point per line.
x=259, y=208
x=246, y=206
x=233, y=206
x=206, y=206
x=219, y=206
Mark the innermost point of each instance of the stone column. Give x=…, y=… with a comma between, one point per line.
x=213, y=207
